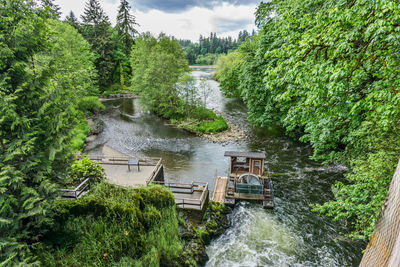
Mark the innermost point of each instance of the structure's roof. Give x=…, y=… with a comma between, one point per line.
x=253, y=155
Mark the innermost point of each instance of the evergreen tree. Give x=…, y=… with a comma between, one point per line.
x=72, y=20
x=54, y=9
x=43, y=70
x=97, y=29
x=126, y=25
x=93, y=14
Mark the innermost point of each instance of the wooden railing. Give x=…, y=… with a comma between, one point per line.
x=148, y=161
x=75, y=193
x=154, y=173
x=185, y=188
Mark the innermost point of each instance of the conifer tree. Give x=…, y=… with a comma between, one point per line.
x=72, y=20
x=94, y=14
x=96, y=28
x=41, y=76
x=126, y=23
x=53, y=8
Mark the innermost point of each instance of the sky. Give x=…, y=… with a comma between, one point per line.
x=183, y=19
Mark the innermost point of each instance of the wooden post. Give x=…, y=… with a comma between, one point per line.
x=384, y=246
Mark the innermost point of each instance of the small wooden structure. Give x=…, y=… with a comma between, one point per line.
x=78, y=191
x=247, y=180
x=193, y=196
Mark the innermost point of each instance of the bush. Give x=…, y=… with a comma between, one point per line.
x=79, y=134
x=85, y=168
x=115, y=226
x=90, y=104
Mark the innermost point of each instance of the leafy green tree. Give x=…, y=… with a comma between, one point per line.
x=326, y=71
x=97, y=29
x=40, y=86
x=157, y=64
x=204, y=90
x=227, y=73
x=186, y=87
x=86, y=168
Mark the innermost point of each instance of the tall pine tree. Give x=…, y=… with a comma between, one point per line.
x=72, y=20
x=96, y=28
x=126, y=23
x=54, y=10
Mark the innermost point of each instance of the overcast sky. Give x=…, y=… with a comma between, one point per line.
x=183, y=19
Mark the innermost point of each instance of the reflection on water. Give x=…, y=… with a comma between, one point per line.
x=289, y=235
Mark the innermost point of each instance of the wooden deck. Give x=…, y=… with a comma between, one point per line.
x=219, y=191
x=193, y=196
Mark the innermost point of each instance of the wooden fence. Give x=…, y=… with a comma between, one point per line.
x=384, y=246
x=77, y=191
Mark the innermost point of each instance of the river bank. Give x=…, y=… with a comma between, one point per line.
x=290, y=234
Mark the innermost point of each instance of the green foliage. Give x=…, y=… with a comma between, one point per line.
x=126, y=24
x=79, y=134
x=327, y=71
x=113, y=226
x=206, y=51
x=207, y=59
x=157, y=65
x=83, y=169
x=45, y=67
x=97, y=30
x=90, y=104
x=201, y=121
x=227, y=73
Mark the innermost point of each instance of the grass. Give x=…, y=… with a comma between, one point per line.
x=114, y=226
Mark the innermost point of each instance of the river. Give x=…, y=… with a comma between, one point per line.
x=289, y=235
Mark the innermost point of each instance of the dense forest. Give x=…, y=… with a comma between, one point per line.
x=207, y=50
x=51, y=75
x=327, y=71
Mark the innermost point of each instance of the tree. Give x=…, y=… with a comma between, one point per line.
x=187, y=90
x=205, y=90
x=327, y=71
x=54, y=10
x=72, y=20
x=126, y=24
x=227, y=73
x=94, y=14
x=42, y=79
x=157, y=64
x=97, y=29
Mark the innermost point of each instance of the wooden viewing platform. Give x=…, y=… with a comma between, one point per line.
x=193, y=196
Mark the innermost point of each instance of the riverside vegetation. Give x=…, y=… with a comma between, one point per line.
x=327, y=71
x=170, y=93
x=51, y=74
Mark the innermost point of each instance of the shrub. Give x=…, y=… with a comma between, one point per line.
x=85, y=168
x=90, y=104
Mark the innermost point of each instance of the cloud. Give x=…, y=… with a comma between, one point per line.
x=225, y=24
x=225, y=18
x=176, y=6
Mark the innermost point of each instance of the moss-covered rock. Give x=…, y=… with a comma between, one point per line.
x=196, y=234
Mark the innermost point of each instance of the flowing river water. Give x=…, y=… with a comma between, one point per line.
x=290, y=234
